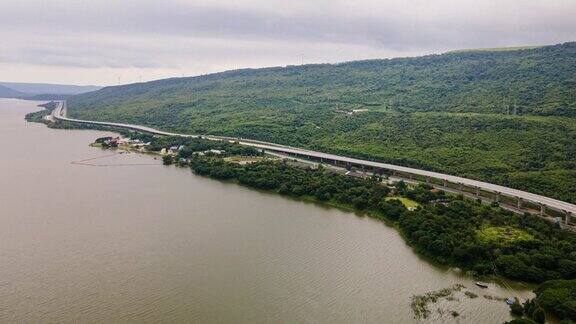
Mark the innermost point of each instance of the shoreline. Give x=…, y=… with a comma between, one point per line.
x=373, y=214
x=552, y=209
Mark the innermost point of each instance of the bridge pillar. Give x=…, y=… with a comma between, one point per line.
x=568, y=218
x=460, y=186
x=519, y=202
x=542, y=209
x=410, y=176
x=477, y=191
x=427, y=179
x=445, y=183
x=497, y=197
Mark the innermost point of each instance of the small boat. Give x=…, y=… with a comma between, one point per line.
x=481, y=284
x=510, y=300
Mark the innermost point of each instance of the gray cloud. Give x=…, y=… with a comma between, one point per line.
x=206, y=36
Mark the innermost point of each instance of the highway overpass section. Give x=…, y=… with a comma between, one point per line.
x=544, y=203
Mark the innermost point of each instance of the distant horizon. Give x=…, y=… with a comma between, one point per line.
x=49, y=83
x=80, y=42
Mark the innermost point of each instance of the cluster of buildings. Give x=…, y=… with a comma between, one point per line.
x=173, y=150
x=118, y=141
x=214, y=152
x=351, y=112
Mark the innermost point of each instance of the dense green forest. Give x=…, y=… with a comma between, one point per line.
x=556, y=297
x=501, y=116
x=37, y=116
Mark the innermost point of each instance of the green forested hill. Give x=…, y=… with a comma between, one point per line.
x=502, y=116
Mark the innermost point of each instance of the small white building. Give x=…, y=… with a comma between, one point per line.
x=217, y=152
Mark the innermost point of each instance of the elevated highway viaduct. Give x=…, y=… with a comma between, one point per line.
x=525, y=201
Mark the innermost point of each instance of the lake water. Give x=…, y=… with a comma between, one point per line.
x=135, y=241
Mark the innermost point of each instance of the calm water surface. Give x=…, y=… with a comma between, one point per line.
x=148, y=243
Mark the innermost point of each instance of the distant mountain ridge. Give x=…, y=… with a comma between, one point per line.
x=534, y=81
x=31, y=89
x=6, y=92
x=42, y=91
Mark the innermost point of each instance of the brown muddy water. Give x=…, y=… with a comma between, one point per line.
x=149, y=243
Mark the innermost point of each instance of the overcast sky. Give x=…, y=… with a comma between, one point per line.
x=105, y=42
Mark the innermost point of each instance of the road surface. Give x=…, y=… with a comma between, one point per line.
x=569, y=209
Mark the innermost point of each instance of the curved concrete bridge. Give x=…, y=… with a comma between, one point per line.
x=499, y=193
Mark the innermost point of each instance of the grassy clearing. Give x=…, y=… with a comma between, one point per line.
x=408, y=203
x=502, y=235
x=243, y=159
x=420, y=303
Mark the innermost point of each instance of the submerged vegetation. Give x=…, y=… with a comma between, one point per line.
x=420, y=303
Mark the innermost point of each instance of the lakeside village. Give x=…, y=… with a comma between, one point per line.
x=181, y=154
x=120, y=142
x=175, y=153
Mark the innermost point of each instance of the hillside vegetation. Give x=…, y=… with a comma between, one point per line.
x=500, y=116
